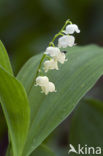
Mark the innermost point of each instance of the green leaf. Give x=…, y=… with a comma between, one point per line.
x=15, y=106
x=26, y=74
x=86, y=125
x=4, y=59
x=74, y=79
x=43, y=150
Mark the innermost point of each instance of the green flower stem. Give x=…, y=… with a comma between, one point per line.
x=40, y=64
x=38, y=70
x=67, y=22
x=54, y=38
x=60, y=33
x=52, y=43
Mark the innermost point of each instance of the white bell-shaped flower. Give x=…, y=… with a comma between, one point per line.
x=42, y=80
x=45, y=85
x=50, y=64
x=66, y=41
x=52, y=51
x=45, y=89
x=51, y=87
x=71, y=28
x=61, y=58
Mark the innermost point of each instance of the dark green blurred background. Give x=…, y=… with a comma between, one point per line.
x=27, y=26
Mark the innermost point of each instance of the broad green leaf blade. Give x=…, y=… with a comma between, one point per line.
x=16, y=110
x=4, y=59
x=86, y=125
x=5, y=63
x=26, y=74
x=73, y=80
x=43, y=150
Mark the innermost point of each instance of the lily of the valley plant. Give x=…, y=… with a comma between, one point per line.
x=64, y=73
x=53, y=55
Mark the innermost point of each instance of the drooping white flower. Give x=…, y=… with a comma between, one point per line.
x=42, y=80
x=66, y=41
x=45, y=89
x=45, y=85
x=50, y=64
x=71, y=28
x=48, y=88
x=52, y=51
x=61, y=58
x=56, y=54
x=51, y=87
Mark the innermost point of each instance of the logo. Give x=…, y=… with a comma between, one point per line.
x=85, y=150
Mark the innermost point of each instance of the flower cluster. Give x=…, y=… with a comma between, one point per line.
x=54, y=55
x=45, y=85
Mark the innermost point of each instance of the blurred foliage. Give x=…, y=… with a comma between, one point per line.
x=43, y=150
x=86, y=126
x=26, y=26
x=83, y=127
